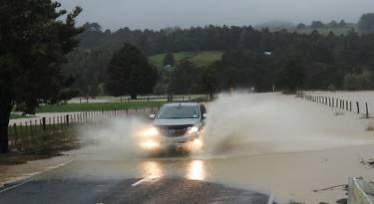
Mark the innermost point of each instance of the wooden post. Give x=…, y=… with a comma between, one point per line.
x=350, y=106
x=67, y=120
x=15, y=129
x=31, y=132
x=367, y=110
x=44, y=124
x=358, y=107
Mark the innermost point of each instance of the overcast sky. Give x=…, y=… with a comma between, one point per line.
x=156, y=14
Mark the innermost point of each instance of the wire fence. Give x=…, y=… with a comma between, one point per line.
x=57, y=132
x=169, y=98
x=342, y=104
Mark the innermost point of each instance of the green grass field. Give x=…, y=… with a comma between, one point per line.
x=97, y=106
x=201, y=58
x=16, y=116
x=325, y=31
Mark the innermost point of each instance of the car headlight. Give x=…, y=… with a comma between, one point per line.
x=193, y=130
x=151, y=132
x=150, y=145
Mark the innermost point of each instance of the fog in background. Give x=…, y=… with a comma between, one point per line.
x=157, y=14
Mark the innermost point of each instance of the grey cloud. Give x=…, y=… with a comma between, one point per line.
x=156, y=14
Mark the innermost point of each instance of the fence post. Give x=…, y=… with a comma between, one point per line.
x=358, y=107
x=350, y=106
x=346, y=105
x=67, y=120
x=44, y=123
x=367, y=110
x=15, y=129
x=31, y=132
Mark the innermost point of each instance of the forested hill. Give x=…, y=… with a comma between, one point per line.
x=251, y=57
x=196, y=39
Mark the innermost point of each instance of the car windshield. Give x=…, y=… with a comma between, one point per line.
x=178, y=112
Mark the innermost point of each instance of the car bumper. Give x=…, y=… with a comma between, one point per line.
x=188, y=142
x=181, y=140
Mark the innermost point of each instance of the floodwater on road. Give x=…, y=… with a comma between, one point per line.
x=269, y=143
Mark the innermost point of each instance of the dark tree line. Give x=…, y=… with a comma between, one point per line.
x=251, y=57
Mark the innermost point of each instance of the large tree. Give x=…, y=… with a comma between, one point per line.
x=185, y=79
x=169, y=60
x=129, y=73
x=366, y=23
x=208, y=81
x=291, y=77
x=34, y=41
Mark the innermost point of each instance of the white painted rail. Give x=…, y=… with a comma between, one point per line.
x=360, y=191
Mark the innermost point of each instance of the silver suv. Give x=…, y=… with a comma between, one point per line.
x=176, y=125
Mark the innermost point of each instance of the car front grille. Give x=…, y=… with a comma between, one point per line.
x=174, y=131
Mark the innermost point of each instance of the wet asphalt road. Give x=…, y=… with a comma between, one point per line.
x=123, y=191
x=140, y=181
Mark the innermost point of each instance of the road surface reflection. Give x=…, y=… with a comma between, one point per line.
x=196, y=170
x=151, y=169
x=191, y=169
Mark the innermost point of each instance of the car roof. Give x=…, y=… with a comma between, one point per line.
x=182, y=104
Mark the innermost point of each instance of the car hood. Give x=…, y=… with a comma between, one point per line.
x=171, y=122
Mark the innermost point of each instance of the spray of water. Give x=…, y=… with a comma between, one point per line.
x=238, y=124
x=112, y=139
x=249, y=124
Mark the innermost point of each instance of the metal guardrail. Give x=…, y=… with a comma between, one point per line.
x=360, y=191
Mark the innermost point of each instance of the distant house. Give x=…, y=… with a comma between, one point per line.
x=268, y=53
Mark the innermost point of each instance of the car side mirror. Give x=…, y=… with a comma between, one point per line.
x=205, y=115
x=152, y=116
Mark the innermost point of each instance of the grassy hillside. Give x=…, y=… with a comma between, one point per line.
x=325, y=30
x=98, y=106
x=199, y=58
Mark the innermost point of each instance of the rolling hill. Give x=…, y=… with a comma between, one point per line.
x=203, y=58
